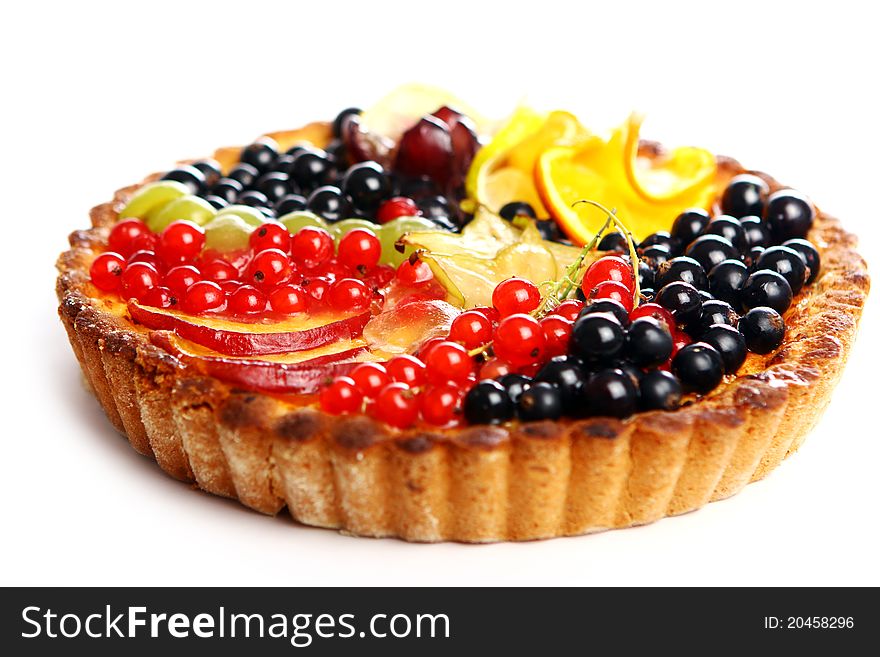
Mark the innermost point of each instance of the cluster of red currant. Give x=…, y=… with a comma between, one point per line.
x=280, y=273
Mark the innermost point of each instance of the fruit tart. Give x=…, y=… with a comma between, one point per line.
x=414, y=321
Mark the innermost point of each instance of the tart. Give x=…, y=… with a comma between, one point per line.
x=410, y=326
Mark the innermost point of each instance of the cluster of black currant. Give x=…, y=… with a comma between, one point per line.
x=321, y=181
x=714, y=289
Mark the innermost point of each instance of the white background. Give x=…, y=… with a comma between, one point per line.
x=95, y=96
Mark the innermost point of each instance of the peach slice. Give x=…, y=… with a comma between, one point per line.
x=233, y=338
x=299, y=377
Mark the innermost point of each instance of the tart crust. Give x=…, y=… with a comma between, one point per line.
x=473, y=484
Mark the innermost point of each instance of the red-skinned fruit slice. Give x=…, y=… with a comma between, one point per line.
x=426, y=150
x=239, y=339
x=305, y=377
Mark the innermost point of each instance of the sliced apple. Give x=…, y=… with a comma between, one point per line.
x=302, y=373
x=251, y=339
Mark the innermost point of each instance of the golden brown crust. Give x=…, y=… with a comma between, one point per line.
x=477, y=484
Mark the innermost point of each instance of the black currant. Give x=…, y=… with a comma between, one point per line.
x=218, y=202
x=786, y=261
x=729, y=343
x=515, y=209
x=261, y=154
x=655, y=255
x=540, y=401
x=810, y=255
x=726, y=280
x=515, y=384
x=611, y=306
x=228, y=189
x=210, y=169
x=684, y=269
x=329, y=203
x=274, y=185
x=715, y=311
x=647, y=276
x=766, y=288
x=488, y=403
x=699, y=367
x=244, y=174
x=190, y=176
x=366, y=185
x=566, y=372
x=253, y=198
x=730, y=229
x=755, y=231
x=662, y=238
x=648, y=342
x=763, y=328
x=290, y=203
x=550, y=230
x=613, y=242
x=689, y=225
x=611, y=393
x=597, y=337
x=744, y=195
x=682, y=299
x=789, y=214
x=659, y=390
x=709, y=250
x=310, y=168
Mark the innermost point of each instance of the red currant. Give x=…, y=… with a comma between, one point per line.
x=349, y=294
x=178, y=279
x=137, y=278
x=396, y=405
x=270, y=235
x=406, y=369
x=269, y=268
x=379, y=276
x=181, y=241
x=515, y=295
x=613, y=290
x=146, y=256
x=341, y=396
x=519, y=339
x=557, y=333
x=246, y=299
x=316, y=287
x=289, y=299
x=441, y=405
x=370, y=378
x=656, y=311
x=569, y=309
x=106, y=271
x=490, y=313
x=218, y=271
x=311, y=246
x=399, y=206
x=145, y=242
x=123, y=235
x=426, y=347
x=448, y=362
x=680, y=339
x=160, y=297
x=495, y=368
x=202, y=297
x=472, y=329
x=414, y=273
x=609, y=268
x=359, y=249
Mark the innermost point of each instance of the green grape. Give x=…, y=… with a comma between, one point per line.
x=391, y=232
x=227, y=232
x=152, y=197
x=248, y=214
x=293, y=221
x=191, y=208
x=340, y=228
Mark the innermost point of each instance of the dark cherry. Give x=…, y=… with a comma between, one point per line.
x=699, y=367
x=755, y=231
x=786, y=261
x=659, y=390
x=426, y=149
x=810, y=255
x=726, y=280
x=745, y=195
x=540, y=401
x=763, y=329
x=261, y=154
x=689, y=225
x=683, y=300
x=488, y=403
x=709, y=250
x=611, y=393
x=566, y=372
x=190, y=176
x=684, y=269
x=789, y=214
x=729, y=343
x=766, y=288
x=329, y=203
x=648, y=342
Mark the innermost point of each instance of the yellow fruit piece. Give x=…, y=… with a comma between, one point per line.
x=559, y=129
x=647, y=193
